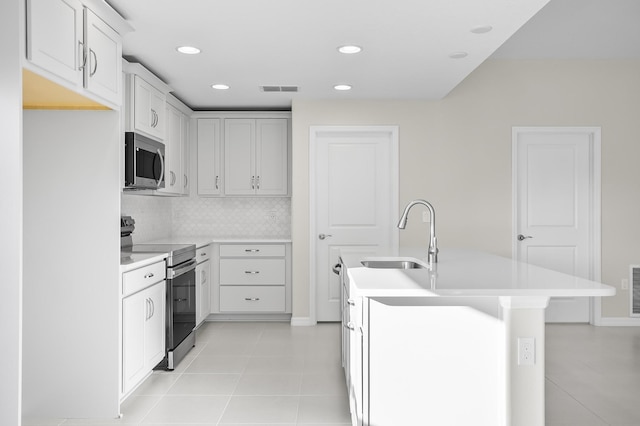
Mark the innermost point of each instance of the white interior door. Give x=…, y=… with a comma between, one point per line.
x=354, y=202
x=556, y=205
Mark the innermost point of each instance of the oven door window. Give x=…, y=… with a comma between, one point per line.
x=183, y=305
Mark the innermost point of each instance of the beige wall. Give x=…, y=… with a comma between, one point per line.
x=456, y=153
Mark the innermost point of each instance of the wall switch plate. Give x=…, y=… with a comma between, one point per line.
x=624, y=285
x=526, y=351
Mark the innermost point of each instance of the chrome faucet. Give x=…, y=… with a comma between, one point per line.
x=432, y=254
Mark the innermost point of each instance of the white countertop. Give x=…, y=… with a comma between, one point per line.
x=461, y=272
x=132, y=261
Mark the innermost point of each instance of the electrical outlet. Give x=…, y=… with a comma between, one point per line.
x=526, y=351
x=624, y=284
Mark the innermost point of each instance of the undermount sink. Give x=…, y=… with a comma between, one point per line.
x=393, y=264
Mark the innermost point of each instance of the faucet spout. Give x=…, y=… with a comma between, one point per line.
x=432, y=254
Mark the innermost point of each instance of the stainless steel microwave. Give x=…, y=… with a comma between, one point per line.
x=143, y=162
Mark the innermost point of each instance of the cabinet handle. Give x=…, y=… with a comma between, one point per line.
x=217, y=181
x=252, y=250
x=253, y=182
x=148, y=275
x=153, y=308
x=186, y=181
x=148, y=310
x=257, y=182
x=203, y=277
x=252, y=272
x=203, y=254
x=173, y=178
x=252, y=299
x=180, y=300
x=350, y=302
x=84, y=55
x=95, y=62
x=154, y=118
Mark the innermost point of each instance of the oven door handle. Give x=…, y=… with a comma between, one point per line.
x=181, y=269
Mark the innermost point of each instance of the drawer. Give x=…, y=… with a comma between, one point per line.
x=203, y=253
x=138, y=279
x=252, y=299
x=252, y=250
x=252, y=271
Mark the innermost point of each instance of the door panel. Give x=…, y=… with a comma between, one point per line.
x=356, y=202
x=554, y=208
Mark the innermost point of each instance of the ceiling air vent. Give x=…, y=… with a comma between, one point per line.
x=279, y=88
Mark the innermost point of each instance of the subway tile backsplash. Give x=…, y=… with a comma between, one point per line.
x=162, y=217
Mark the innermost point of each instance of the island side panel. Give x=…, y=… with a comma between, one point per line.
x=524, y=318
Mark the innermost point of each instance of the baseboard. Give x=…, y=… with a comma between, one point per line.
x=302, y=322
x=618, y=322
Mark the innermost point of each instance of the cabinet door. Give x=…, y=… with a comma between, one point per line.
x=149, y=109
x=272, y=149
x=103, y=73
x=209, y=157
x=184, y=143
x=154, y=333
x=55, y=37
x=173, y=152
x=135, y=309
x=239, y=147
x=203, y=307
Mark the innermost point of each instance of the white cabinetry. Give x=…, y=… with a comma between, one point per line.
x=254, y=279
x=256, y=156
x=146, y=108
x=209, y=156
x=74, y=45
x=203, y=281
x=173, y=162
x=143, y=323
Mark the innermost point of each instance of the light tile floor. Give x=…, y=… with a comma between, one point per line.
x=273, y=374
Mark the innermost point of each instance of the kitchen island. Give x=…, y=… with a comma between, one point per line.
x=458, y=342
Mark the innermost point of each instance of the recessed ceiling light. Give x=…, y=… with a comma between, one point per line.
x=458, y=55
x=188, y=50
x=349, y=49
x=219, y=86
x=342, y=87
x=481, y=29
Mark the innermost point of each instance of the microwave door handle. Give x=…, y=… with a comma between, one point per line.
x=161, y=168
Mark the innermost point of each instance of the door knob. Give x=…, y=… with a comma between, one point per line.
x=323, y=236
x=523, y=237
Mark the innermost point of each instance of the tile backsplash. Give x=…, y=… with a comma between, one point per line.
x=162, y=217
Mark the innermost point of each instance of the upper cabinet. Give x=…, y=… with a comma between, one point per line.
x=176, y=152
x=209, y=156
x=146, y=107
x=256, y=156
x=76, y=46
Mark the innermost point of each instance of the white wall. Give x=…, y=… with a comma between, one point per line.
x=456, y=153
x=11, y=45
x=71, y=264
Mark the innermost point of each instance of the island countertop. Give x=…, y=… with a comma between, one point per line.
x=463, y=272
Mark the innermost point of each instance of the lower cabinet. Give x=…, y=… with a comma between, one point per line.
x=143, y=327
x=203, y=282
x=253, y=278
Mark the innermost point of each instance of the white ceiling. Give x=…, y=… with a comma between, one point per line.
x=407, y=43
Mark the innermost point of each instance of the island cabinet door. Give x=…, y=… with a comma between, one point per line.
x=433, y=364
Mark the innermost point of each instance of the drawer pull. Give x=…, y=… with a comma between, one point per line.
x=252, y=250
x=149, y=275
x=180, y=300
x=350, y=302
x=251, y=299
x=252, y=272
x=203, y=254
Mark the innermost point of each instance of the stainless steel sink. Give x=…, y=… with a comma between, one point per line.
x=392, y=264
